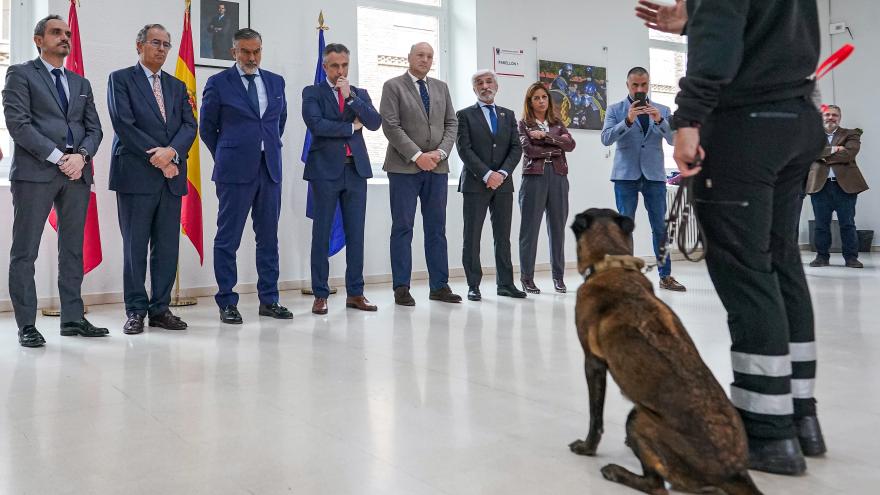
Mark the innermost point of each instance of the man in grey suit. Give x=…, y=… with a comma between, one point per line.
x=420, y=124
x=51, y=117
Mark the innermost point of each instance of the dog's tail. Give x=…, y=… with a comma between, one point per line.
x=741, y=484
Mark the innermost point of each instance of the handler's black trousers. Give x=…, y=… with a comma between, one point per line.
x=761, y=154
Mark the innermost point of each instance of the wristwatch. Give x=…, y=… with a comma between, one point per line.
x=349, y=99
x=85, y=154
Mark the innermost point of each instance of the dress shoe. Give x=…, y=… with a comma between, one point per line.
x=359, y=302
x=510, y=291
x=670, y=283
x=530, y=287
x=402, y=296
x=559, y=286
x=777, y=456
x=319, y=307
x=474, y=294
x=82, y=328
x=854, y=263
x=133, y=325
x=29, y=336
x=444, y=294
x=229, y=314
x=819, y=261
x=276, y=311
x=810, y=436
x=167, y=320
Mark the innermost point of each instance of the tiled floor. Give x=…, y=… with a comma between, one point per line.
x=477, y=398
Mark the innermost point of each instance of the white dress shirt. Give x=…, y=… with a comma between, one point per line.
x=830, y=138
x=262, y=96
x=151, y=77
x=485, y=108
x=56, y=154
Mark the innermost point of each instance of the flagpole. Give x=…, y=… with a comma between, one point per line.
x=307, y=291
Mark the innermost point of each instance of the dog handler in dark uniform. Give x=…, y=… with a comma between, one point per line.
x=744, y=109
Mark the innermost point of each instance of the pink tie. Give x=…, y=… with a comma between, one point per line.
x=157, y=92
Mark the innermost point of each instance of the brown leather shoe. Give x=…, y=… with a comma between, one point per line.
x=359, y=302
x=319, y=307
x=444, y=294
x=402, y=296
x=854, y=263
x=530, y=287
x=670, y=283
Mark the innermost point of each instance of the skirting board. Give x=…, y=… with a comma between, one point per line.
x=117, y=297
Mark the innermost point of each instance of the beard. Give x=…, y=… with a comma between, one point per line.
x=830, y=127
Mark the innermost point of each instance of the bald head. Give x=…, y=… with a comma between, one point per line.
x=421, y=58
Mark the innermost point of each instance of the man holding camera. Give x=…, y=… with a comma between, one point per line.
x=639, y=126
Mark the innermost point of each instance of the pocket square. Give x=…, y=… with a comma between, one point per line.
x=84, y=96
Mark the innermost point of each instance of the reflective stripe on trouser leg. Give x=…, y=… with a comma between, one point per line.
x=763, y=383
x=803, y=378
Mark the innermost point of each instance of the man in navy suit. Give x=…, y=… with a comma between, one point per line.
x=155, y=127
x=338, y=167
x=242, y=119
x=639, y=126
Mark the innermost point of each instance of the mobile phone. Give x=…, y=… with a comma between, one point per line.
x=641, y=99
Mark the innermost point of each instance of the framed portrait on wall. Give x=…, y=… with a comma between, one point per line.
x=213, y=24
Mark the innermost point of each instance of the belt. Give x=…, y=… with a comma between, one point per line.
x=349, y=160
x=832, y=179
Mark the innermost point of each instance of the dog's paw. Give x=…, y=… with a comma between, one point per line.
x=582, y=447
x=613, y=472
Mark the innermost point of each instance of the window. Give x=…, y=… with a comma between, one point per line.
x=5, y=141
x=668, y=56
x=386, y=31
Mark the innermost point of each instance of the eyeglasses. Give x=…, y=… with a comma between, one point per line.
x=156, y=44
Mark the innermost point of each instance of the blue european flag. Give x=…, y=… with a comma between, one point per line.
x=337, y=234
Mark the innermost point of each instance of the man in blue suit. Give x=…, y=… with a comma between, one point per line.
x=639, y=126
x=338, y=167
x=155, y=127
x=242, y=120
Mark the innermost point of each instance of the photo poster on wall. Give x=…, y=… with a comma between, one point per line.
x=578, y=92
x=213, y=24
x=509, y=62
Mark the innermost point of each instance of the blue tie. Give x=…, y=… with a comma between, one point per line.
x=62, y=97
x=493, y=118
x=252, y=92
x=423, y=90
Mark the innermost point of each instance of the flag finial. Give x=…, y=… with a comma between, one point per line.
x=321, y=25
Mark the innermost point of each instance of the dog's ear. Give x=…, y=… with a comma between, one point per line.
x=626, y=224
x=581, y=223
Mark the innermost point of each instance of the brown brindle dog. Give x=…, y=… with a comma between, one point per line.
x=683, y=428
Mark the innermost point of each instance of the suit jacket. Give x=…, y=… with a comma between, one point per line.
x=409, y=129
x=38, y=126
x=481, y=151
x=139, y=126
x=638, y=153
x=849, y=177
x=233, y=131
x=332, y=130
x=536, y=152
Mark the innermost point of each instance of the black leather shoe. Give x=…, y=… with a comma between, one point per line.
x=530, y=287
x=559, y=286
x=82, y=328
x=854, y=263
x=510, y=291
x=167, y=321
x=402, y=296
x=819, y=261
x=276, y=311
x=474, y=294
x=29, y=336
x=444, y=294
x=229, y=314
x=810, y=436
x=133, y=325
x=777, y=456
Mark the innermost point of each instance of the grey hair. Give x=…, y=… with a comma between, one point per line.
x=839, y=111
x=40, y=28
x=413, y=48
x=245, y=34
x=334, y=48
x=142, y=34
x=483, y=72
x=637, y=71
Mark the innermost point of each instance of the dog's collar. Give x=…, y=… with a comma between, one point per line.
x=624, y=262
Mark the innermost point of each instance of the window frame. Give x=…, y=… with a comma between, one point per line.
x=671, y=46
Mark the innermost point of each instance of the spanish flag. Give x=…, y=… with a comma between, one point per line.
x=191, y=212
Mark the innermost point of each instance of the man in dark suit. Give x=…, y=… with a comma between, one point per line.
x=833, y=184
x=488, y=144
x=51, y=116
x=338, y=167
x=155, y=127
x=220, y=29
x=242, y=119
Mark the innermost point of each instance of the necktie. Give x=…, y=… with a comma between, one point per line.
x=493, y=118
x=252, y=92
x=341, y=110
x=62, y=96
x=423, y=90
x=157, y=92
